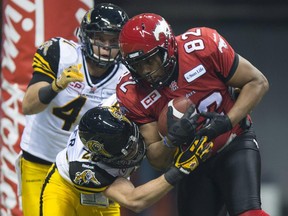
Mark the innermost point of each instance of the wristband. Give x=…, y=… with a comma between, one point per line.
x=46, y=94
x=173, y=175
x=167, y=142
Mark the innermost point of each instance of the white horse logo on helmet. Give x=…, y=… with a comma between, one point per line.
x=162, y=27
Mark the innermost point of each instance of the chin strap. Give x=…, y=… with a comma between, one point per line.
x=258, y=212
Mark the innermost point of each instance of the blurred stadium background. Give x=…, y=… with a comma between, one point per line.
x=258, y=30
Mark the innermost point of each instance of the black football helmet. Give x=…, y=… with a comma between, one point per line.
x=111, y=137
x=104, y=18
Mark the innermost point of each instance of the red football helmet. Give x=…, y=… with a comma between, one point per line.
x=142, y=37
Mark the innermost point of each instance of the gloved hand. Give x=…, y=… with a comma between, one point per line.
x=197, y=153
x=189, y=160
x=181, y=131
x=217, y=124
x=70, y=74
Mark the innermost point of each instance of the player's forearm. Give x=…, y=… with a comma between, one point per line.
x=31, y=103
x=139, y=198
x=250, y=95
x=160, y=156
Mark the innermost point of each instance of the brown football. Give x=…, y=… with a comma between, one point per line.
x=179, y=105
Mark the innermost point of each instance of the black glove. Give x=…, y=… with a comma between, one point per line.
x=189, y=160
x=181, y=131
x=217, y=124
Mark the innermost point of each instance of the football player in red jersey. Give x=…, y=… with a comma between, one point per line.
x=199, y=64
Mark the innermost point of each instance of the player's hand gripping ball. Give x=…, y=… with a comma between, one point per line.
x=177, y=122
x=179, y=106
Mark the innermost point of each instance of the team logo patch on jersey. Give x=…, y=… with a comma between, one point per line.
x=221, y=42
x=222, y=45
x=45, y=46
x=150, y=99
x=93, y=90
x=85, y=177
x=77, y=87
x=195, y=73
x=173, y=86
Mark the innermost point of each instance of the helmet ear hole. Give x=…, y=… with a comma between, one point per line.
x=107, y=19
x=111, y=137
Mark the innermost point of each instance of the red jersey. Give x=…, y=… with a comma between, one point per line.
x=205, y=63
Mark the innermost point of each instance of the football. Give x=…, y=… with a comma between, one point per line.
x=179, y=105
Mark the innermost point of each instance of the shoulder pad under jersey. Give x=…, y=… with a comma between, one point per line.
x=69, y=52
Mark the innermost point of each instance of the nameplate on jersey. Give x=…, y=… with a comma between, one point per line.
x=150, y=99
x=195, y=73
x=95, y=199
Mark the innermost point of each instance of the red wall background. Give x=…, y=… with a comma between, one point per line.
x=25, y=25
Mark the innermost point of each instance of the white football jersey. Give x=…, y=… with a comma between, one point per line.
x=46, y=133
x=76, y=165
